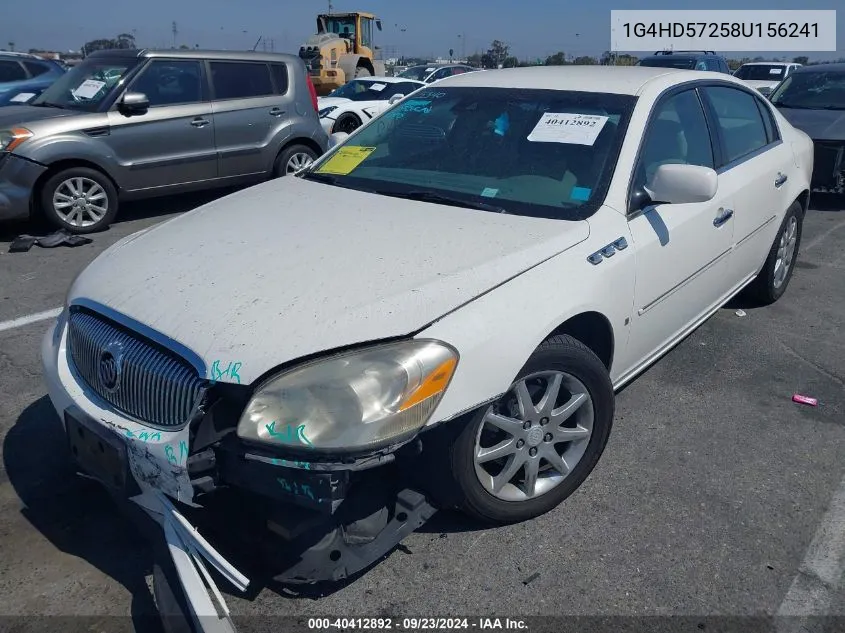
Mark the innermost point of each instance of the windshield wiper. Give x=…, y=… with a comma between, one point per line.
x=791, y=106
x=832, y=107
x=438, y=198
x=48, y=104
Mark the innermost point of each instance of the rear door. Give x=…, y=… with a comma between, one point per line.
x=171, y=144
x=755, y=163
x=253, y=105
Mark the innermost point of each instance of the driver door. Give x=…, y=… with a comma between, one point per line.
x=683, y=250
x=171, y=144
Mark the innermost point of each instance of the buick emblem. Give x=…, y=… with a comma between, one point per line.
x=110, y=368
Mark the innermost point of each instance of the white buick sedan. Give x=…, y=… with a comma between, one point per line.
x=445, y=302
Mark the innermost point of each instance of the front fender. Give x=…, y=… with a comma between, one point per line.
x=496, y=333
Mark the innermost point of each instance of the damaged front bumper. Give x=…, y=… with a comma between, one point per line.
x=829, y=167
x=309, y=521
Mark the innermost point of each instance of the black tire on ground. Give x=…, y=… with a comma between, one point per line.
x=348, y=123
x=560, y=353
x=281, y=166
x=362, y=71
x=81, y=221
x=764, y=289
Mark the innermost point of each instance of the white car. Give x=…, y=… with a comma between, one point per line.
x=358, y=101
x=764, y=76
x=445, y=302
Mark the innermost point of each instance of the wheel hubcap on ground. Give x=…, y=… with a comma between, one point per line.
x=786, y=251
x=80, y=201
x=534, y=436
x=297, y=162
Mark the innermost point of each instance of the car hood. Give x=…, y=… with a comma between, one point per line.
x=290, y=268
x=819, y=125
x=17, y=115
x=325, y=102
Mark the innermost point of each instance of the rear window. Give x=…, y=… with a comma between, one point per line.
x=241, y=80
x=36, y=68
x=280, y=76
x=762, y=72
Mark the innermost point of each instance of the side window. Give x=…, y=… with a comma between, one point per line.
x=712, y=64
x=11, y=71
x=241, y=80
x=738, y=117
x=36, y=69
x=677, y=133
x=458, y=70
x=170, y=82
x=441, y=74
x=366, y=32
x=772, y=133
x=280, y=76
x=701, y=65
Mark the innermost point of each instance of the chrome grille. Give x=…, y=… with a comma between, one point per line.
x=131, y=373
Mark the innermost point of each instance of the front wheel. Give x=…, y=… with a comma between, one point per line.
x=79, y=200
x=347, y=123
x=773, y=279
x=524, y=454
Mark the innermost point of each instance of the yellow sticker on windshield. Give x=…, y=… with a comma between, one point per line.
x=345, y=160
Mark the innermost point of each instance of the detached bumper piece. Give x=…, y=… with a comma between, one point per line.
x=829, y=167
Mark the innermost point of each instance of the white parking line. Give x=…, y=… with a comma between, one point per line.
x=821, y=572
x=29, y=318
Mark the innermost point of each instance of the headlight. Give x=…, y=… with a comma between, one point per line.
x=326, y=111
x=354, y=401
x=10, y=139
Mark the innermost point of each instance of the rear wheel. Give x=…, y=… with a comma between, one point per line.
x=79, y=200
x=347, y=123
x=773, y=279
x=524, y=454
x=292, y=159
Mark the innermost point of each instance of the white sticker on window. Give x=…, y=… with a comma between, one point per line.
x=22, y=97
x=378, y=87
x=575, y=129
x=776, y=71
x=88, y=89
x=428, y=70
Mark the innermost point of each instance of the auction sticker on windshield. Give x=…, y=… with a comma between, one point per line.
x=560, y=127
x=88, y=89
x=345, y=160
x=378, y=87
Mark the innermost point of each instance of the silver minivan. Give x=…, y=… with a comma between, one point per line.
x=128, y=124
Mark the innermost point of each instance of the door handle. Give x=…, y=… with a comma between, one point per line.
x=200, y=122
x=782, y=178
x=276, y=112
x=724, y=216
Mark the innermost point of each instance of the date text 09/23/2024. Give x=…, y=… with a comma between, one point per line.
x=416, y=624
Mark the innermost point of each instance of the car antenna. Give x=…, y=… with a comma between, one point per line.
x=257, y=42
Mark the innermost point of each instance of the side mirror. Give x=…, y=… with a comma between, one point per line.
x=395, y=98
x=133, y=103
x=337, y=138
x=378, y=24
x=682, y=184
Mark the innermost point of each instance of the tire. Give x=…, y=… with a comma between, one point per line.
x=771, y=282
x=81, y=215
x=571, y=359
x=289, y=157
x=362, y=71
x=348, y=123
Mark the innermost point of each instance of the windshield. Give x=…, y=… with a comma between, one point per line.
x=762, y=72
x=417, y=72
x=540, y=153
x=823, y=90
x=87, y=85
x=371, y=90
x=668, y=61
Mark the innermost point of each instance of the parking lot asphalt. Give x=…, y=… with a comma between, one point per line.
x=713, y=492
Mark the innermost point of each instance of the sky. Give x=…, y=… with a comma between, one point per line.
x=532, y=28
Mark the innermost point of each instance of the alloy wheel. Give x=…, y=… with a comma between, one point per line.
x=786, y=251
x=80, y=201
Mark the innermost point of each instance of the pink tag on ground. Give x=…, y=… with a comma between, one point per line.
x=804, y=400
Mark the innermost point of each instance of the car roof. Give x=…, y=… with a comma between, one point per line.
x=629, y=80
x=195, y=54
x=837, y=67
